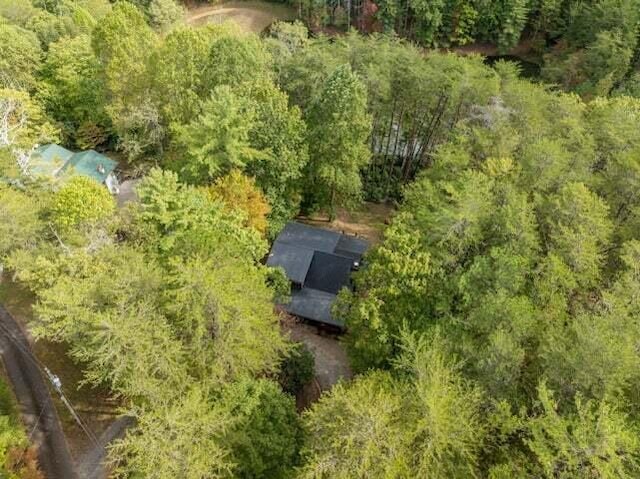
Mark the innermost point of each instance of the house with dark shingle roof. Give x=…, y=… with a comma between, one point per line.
x=319, y=264
x=54, y=161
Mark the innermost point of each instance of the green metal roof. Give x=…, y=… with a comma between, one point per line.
x=48, y=160
x=55, y=161
x=90, y=163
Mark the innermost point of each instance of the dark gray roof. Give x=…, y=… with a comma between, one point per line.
x=328, y=272
x=351, y=247
x=313, y=304
x=321, y=262
x=294, y=259
x=309, y=237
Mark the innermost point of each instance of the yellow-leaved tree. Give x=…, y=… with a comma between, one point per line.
x=241, y=194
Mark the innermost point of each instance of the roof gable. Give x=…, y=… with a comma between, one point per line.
x=309, y=237
x=48, y=160
x=295, y=260
x=328, y=272
x=90, y=163
x=54, y=161
x=351, y=247
x=314, y=304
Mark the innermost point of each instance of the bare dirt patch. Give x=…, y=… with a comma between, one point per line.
x=367, y=222
x=252, y=16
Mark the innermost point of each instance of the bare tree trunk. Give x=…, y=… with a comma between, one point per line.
x=406, y=18
x=456, y=116
x=385, y=152
x=411, y=147
x=390, y=130
x=394, y=155
x=442, y=104
x=332, y=207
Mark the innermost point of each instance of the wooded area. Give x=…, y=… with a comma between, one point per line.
x=495, y=330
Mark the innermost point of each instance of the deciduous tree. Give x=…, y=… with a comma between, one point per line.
x=339, y=127
x=240, y=193
x=81, y=201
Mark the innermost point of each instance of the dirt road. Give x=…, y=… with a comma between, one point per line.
x=36, y=406
x=252, y=16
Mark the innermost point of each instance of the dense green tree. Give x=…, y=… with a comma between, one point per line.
x=86, y=13
x=298, y=368
x=81, y=201
x=20, y=56
x=17, y=12
x=178, y=67
x=449, y=431
x=165, y=14
x=218, y=140
x=236, y=57
x=73, y=91
x=223, y=312
x=579, y=229
x=280, y=134
x=182, y=438
x=596, y=356
x=397, y=276
x=21, y=224
x=23, y=123
x=358, y=430
x=266, y=436
x=289, y=37
x=339, y=127
x=596, y=440
x=124, y=43
x=428, y=19
x=17, y=457
x=50, y=28
x=612, y=123
x=426, y=423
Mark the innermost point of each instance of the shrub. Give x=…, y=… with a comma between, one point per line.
x=297, y=370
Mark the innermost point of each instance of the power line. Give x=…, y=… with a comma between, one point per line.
x=57, y=384
x=17, y=342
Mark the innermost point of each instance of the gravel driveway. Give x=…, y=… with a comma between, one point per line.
x=332, y=363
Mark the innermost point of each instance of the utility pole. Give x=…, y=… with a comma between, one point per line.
x=57, y=385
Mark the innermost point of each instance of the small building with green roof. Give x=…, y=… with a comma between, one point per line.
x=56, y=162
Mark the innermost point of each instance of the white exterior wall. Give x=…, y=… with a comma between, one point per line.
x=112, y=184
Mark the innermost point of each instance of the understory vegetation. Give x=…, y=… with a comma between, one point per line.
x=494, y=332
x=17, y=457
